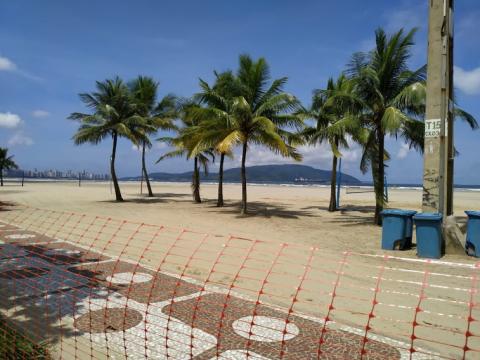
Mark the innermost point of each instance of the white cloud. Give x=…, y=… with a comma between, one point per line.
x=317, y=156
x=6, y=64
x=467, y=81
x=40, y=113
x=20, y=139
x=9, y=120
x=403, y=151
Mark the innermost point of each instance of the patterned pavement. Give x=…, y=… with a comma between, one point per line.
x=124, y=308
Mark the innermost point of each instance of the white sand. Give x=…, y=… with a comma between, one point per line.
x=279, y=213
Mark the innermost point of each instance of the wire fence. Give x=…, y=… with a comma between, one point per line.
x=83, y=286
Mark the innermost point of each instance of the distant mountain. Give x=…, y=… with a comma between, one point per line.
x=299, y=174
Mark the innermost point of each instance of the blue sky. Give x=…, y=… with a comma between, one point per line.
x=52, y=50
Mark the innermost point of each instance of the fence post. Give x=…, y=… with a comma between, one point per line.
x=385, y=184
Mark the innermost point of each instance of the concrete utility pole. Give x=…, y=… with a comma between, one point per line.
x=439, y=150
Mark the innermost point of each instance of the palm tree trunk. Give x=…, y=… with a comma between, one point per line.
x=333, y=185
x=244, y=179
x=1, y=176
x=144, y=170
x=118, y=194
x=196, y=182
x=220, y=181
x=333, y=182
x=379, y=183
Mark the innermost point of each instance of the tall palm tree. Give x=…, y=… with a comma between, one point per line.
x=6, y=163
x=390, y=95
x=214, y=119
x=261, y=113
x=186, y=144
x=333, y=125
x=155, y=116
x=392, y=102
x=112, y=116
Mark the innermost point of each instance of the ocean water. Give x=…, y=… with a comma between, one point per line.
x=365, y=186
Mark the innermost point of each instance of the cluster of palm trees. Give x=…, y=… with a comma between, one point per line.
x=238, y=110
x=375, y=97
x=124, y=110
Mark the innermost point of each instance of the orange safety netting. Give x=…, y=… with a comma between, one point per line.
x=85, y=286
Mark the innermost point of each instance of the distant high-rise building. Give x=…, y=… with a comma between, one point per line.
x=55, y=174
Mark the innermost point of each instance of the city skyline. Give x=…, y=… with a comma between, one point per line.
x=56, y=174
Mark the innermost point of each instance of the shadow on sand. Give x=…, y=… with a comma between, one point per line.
x=6, y=206
x=259, y=209
x=41, y=285
x=162, y=198
x=349, y=215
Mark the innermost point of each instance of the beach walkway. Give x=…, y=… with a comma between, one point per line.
x=102, y=288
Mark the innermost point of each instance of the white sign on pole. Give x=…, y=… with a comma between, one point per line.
x=433, y=127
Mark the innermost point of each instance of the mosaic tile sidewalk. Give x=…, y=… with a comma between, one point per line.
x=123, y=308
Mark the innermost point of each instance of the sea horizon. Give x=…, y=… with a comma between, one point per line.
x=363, y=185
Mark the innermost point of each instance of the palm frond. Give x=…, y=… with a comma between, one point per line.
x=412, y=98
x=91, y=134
x=413, y=132
x=6, y=162
x=228, y=142
x=171, y=154
x=466, y=117
x=393, y=119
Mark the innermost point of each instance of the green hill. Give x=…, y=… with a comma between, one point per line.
x=299, y=174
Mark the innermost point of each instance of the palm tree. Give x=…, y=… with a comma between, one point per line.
x=260, y=114
x=112, y=116
x=390, y=95
x=186, y=144
x=391, y=99
x=214, y=120
x=6, y=163
x=155, y=116
x=333, y=125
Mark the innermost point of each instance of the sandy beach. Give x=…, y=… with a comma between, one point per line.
x=292, y=214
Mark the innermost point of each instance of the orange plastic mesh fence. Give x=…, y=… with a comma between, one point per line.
x=87, y=286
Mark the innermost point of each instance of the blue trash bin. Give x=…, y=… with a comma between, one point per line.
x=429, y=235
x=472, y=245
x=397, y=229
